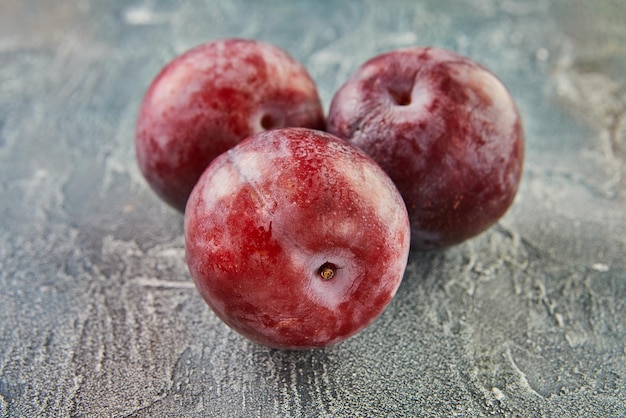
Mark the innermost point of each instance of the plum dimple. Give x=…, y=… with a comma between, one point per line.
x=210, y=98
x=288, y=246
x=327, y=271
x=454, y=146
x=400, y=96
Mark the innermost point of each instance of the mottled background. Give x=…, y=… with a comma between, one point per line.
x=99, y=317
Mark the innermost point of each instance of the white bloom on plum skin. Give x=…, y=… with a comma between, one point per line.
x=300, y=201
x=210, y=98
x=447, y=132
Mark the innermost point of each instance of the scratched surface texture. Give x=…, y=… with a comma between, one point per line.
x=99, y=317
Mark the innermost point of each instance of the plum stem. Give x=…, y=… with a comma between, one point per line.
x=327, y=271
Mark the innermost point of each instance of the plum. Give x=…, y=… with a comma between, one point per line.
x=210, y=98
x=447, y=132
x=296, y=239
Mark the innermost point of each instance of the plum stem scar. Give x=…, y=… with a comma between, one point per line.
x=327, y=271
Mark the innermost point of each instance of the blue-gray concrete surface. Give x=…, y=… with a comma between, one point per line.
x=98, y=314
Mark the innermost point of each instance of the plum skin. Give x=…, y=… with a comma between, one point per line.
x=211, y=97
x=296, y=239
x=446, y=131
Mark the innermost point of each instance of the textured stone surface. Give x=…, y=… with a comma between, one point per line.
x=98, y=315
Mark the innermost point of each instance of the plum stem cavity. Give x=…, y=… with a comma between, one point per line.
x=268, y=122
x=327, y=271
x=400, y=97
